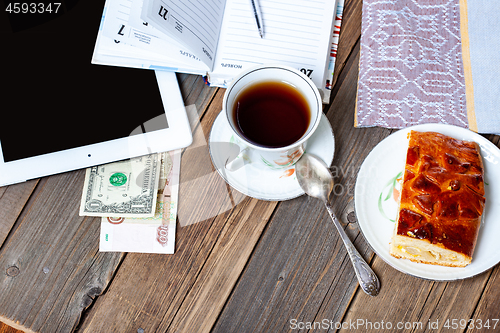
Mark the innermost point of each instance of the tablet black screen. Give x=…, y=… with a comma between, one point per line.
x=53, y=97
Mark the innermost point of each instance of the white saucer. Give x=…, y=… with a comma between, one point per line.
x=376, y=215
x=254, y=179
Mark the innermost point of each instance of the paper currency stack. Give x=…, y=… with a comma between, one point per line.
x=137, y=202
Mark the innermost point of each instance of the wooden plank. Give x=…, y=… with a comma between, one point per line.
x=488, y=309
x=291, y=270
x=427, y=304
x=13, y=198
x=351, y=156
x=51, y=279
x=300, y=268
x=420, y=303
x=195, y=92
x=209, y=293
x=487, y=312
x=494, y=138
x=203, y=193
x=158, y=292
x=53, y=268
x=197, y=171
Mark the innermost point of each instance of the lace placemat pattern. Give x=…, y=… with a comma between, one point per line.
x=411, y=69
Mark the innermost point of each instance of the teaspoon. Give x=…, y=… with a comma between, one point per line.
x=316, y=180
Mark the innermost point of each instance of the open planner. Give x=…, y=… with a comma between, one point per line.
x=217, y=38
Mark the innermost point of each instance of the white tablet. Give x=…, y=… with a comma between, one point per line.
x=60, y=112
x=44, y=142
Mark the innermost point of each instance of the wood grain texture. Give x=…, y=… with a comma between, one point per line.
x=217, y=231
x=4, y=328
x=415, y=302
x=53, y=269
x=13, y=199
x=241, y=265
x=488, y=309
x=300, y=269
x=209, y=293
x=160, y=293
x=351, y=154
x=203, y=193
x=195, y=92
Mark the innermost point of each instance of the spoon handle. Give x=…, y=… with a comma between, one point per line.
x=368, y=281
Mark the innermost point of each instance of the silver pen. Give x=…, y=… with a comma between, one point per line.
x=258, y=17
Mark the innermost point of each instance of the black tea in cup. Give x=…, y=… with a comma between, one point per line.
x=271, y=114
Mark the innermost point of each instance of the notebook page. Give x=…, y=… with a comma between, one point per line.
x=196, y=23
x=296, y=33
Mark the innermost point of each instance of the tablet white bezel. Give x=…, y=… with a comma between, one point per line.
x=177, y=135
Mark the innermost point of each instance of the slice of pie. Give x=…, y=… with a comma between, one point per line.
x=442, y=200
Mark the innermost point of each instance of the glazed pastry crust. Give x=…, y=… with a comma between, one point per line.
x=442, y=201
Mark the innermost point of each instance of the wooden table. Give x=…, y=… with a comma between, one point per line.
x=241, y=265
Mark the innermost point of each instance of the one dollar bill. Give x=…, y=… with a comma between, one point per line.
x=127, y=188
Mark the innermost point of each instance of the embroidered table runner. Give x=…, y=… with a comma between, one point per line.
x=434, y=61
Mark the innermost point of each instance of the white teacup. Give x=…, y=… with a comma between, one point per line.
x=279, y=157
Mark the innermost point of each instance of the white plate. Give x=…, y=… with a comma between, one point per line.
x=384, y=163
x=256, y=180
